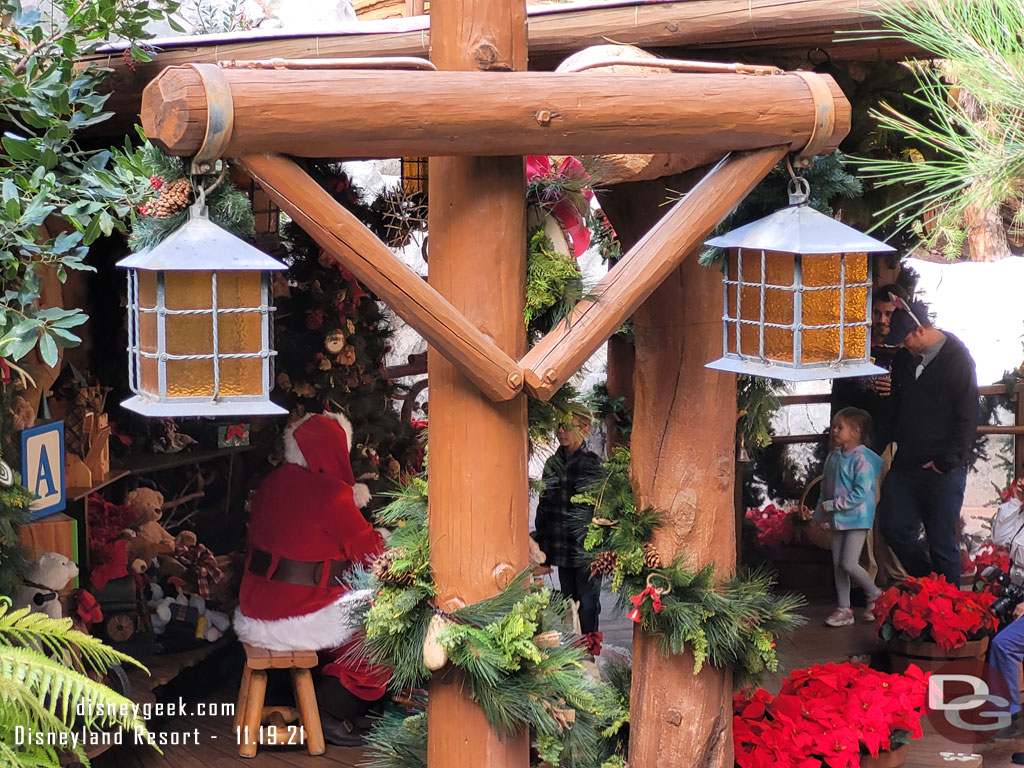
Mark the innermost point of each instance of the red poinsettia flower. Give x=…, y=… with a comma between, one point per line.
x=827, y=714
x=932, y=609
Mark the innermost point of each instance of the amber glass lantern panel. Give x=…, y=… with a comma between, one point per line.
x=193, y=334
x=777, y=283
x=823, y=307
x=149, y=377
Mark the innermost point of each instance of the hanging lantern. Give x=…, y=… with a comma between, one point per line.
x=797, y=295
x=199, y=324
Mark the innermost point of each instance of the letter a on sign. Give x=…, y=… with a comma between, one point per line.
x=42, y=466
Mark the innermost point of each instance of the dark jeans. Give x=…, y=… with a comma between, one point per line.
x=912, y=496
x=575, y=583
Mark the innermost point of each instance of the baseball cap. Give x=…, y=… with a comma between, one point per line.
x=903, y=321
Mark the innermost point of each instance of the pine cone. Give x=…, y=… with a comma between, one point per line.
x=174, y=197
x=382, y=569
x=651, y=557
x=603, y=564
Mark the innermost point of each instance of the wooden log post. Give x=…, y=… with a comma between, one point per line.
x=478, y=448
x=683, y=432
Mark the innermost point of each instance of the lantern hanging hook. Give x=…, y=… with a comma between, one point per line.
x=799, y=190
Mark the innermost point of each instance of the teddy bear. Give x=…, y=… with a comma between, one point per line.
x=49, y=574
x=147, y=504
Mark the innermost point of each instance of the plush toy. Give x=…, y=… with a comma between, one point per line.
x=210, y=625
x=49, y=574
x=147, y=504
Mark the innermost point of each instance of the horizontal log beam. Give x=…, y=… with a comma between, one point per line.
x=388, y=114
x=347, y=240
x=562, y=352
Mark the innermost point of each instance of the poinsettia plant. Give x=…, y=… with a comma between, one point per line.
x=930, y=609
x=828, y=715
x=774, y=525
x=984, y=556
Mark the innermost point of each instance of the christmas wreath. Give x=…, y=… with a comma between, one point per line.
x=729, y=625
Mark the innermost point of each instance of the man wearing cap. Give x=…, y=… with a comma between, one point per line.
x=935, y=423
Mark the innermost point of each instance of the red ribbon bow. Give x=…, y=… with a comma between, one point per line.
x=87, y=608
x=201, y=561
x=650, y=592
x=238, y=430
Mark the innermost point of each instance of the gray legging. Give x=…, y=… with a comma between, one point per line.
x=846, y=549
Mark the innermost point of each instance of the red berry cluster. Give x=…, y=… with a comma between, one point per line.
x=127, y=60
x=156, y=182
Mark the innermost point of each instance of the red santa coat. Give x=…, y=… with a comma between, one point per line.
x=306, y=510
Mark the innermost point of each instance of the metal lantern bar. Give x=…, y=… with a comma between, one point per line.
x=198, y=247
x=803, y=234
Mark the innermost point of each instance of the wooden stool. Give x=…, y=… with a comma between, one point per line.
x=250, y=712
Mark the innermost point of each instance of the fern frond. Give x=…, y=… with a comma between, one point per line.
x=22, y=628
x=52, y=686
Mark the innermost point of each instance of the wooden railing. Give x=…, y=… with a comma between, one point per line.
x=1016, y=429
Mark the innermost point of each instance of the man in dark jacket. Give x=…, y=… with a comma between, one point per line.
x=874, y=393
x=561, y=525
x=936, y=420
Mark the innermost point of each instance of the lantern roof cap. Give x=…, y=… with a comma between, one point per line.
x=199, y=244
x=800, y=229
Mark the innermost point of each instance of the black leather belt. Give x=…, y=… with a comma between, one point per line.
x=302, y=573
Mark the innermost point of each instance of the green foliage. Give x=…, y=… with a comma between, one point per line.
x=40, y=692
x=757, y=399
x=55, y=198
x=517, y=683
x=14, y=511
x=398, y=742
x=603, y=406
x=228, y=206
x=545, y=416
x=972, y=147
x=553, y=284
x=728, y=625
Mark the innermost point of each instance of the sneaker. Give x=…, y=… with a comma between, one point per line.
x=869, y=611
x=841, y=617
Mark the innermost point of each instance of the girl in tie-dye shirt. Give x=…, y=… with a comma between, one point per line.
x=847, y=505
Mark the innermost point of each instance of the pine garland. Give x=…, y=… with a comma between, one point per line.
x=154, y=173
x=553, y=284
x=757, y=399
x=732, y=625
x=517, y=680
x=604, y=406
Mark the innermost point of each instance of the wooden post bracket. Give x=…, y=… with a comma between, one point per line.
x=557, y=356
x=348, y=241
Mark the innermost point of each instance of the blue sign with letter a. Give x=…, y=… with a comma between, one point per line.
x=42, y=466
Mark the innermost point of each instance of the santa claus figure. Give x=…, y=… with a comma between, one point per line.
x=305, y=534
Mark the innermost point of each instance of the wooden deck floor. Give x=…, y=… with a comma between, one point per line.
x=813, y=643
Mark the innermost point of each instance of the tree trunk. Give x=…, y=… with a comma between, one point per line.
x=683, y=433
x=478, y=456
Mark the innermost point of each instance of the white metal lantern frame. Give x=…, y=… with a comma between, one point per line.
x=801, y=231
x=198, y=246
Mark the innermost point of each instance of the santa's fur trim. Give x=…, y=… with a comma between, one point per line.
x=292, y=452
x=330, y=627
x=361, y=494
